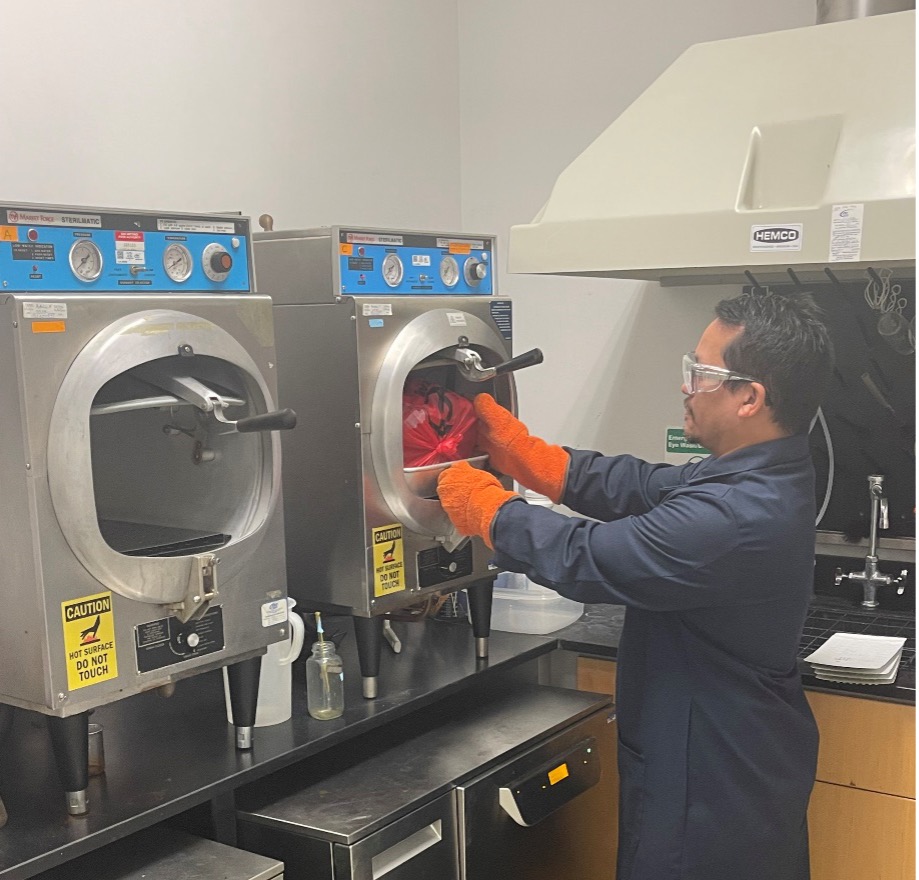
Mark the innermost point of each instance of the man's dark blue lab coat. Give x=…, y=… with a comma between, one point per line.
x=715, y=563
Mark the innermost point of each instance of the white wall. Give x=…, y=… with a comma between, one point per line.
x=539, y=81
x=316, y=111
x=439, y=114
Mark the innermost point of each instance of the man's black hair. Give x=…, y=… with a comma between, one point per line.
x=786, y=346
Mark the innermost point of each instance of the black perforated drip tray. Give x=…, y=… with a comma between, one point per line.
x=823, y=621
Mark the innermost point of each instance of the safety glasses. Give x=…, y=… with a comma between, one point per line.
x=703, y=377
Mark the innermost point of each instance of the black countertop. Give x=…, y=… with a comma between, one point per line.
x=164, y=756
x=600, y=627
x=411, y=764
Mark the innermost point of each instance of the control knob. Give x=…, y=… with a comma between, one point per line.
x=216, y=262
x=474, y=271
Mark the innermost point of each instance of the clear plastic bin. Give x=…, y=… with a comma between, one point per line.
x=521, y=606
x=524, y=607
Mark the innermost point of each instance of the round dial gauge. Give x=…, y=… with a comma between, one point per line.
x=86, y=260
x=177, y=262
x=392, y=270
x=449, y=271
x=216, y=262
x=474, y=270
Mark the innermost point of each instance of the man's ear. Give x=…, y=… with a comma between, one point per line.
x=752, y=400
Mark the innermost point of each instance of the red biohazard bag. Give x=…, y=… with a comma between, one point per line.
x=438, y=426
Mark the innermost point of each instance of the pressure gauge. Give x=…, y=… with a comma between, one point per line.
x=178, y=263
x=392, y=270
x=216, y=262
x=86, y=260
x=449, y=271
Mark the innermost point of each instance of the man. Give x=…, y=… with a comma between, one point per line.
x=714, y=561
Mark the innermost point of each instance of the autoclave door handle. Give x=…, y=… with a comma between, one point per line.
x=470, y=362
x=279, y=420
x=527, y=359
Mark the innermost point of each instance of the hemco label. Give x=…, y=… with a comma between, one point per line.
x=89, y=640
x=388, y=560
x=777, y=237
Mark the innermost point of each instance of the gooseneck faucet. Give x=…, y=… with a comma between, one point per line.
x=870, y=577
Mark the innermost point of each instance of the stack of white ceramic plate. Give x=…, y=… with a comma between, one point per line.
x=854, y=658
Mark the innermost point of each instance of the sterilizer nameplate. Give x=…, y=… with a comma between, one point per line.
x=166, y=641
x=437, y=566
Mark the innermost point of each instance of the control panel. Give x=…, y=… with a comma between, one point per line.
x=412, y=263
x=86, y=250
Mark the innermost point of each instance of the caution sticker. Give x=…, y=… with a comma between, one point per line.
x=89, y=640
x=388, y=560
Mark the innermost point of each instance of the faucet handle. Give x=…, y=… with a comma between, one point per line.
x=899, y=581
x=883, y=518
x=840, y=576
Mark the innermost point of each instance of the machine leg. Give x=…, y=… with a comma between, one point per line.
x=480, y=596
x=369, y=634
x=70, y=741
x=6, y=722
x=243, y=680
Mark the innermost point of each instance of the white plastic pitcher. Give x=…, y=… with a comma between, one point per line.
x=275, y=680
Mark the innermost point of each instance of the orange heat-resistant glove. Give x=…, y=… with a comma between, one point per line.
x=513, y=451
x=471, y=498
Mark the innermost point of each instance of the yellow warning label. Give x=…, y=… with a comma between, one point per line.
x=388, y=560
x=9, y=233
x=346, y=249
x=558, y=774
x=89, y=640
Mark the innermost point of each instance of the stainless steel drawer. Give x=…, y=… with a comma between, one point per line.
x=541, y=814
x=161, y=853
x=419, y=846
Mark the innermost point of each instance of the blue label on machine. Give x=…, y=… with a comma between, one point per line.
x=82, y=251
x=419, y=264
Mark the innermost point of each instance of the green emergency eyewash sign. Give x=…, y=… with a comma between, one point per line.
x=679, y=450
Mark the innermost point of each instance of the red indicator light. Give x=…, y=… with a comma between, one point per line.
x=33, y=234
x=360, y=251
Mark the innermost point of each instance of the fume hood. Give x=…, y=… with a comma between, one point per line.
x=793, y=149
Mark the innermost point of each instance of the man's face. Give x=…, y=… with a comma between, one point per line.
x=708, y=414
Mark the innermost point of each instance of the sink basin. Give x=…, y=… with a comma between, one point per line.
x=829, y=616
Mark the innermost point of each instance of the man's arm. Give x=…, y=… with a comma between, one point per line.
x=680, y=555
x=610, y=487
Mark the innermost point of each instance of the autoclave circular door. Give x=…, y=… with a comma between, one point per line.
x=143, y=474
x=426, y=339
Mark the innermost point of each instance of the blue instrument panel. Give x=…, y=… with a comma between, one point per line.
x=374, y=262
x=88, y=250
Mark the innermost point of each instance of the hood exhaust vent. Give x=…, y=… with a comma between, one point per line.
x=790, y=150
x=845, y=10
